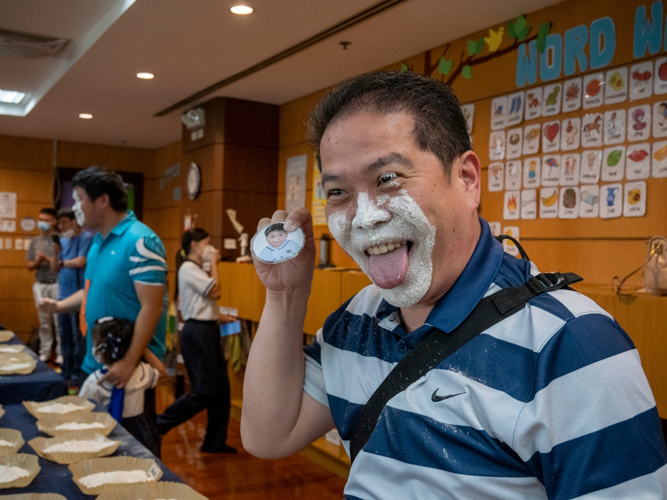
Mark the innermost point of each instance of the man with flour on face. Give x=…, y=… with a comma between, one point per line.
x=529, y=409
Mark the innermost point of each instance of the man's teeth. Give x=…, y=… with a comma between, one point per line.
x=380, y=249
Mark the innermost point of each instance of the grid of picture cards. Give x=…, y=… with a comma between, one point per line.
x=590, y=165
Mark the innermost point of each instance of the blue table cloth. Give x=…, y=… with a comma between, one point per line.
x=56, y=478
x=42, y=384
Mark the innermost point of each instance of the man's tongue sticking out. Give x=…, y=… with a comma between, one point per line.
x=388, y=270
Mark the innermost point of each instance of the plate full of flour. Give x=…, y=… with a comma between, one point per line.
x=54, y=425
x=163, y=490
x=97, y=475
x=65, y=405
x=18, y=470
x=73, y=446
x=19, y=363
x=11, y=441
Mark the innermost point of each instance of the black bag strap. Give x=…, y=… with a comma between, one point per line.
x=438, y=345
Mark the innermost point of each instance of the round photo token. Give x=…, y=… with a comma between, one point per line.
x=273, y=245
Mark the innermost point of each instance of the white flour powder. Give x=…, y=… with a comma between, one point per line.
x=11, y=348
x=59, y=408
x=76, y=426
x=120, y=476
x=6, y=443
x=14, y=366
x=78, y=446
x=10, y=473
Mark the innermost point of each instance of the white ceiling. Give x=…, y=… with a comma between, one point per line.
x=191, y=44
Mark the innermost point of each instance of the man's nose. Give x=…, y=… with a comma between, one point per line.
x=368, y=213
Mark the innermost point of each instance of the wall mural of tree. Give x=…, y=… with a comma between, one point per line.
x=446, y=69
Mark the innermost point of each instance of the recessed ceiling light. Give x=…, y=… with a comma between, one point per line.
x=11, y=96
x=145, y=76
x=85, y=116
x=241, y=9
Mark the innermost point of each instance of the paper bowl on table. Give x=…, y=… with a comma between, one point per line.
x=11, y=436
x=41, y=445
x=82, y=470
x=154, y=491
x=39, y=410
x=11, y=348
x=6, y=335
x=34, y=496
x=20, y=363
x=49, y=424
x=24, y=461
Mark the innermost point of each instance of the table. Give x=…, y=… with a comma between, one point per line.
x=56, y=478
x=42, y=384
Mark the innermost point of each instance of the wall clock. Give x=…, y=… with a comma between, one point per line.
x=194, y=181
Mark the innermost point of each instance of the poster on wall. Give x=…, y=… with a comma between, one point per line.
x=319, y=197
x=7, y=205
x=295, y=182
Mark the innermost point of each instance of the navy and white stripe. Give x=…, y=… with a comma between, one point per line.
x=555, y=403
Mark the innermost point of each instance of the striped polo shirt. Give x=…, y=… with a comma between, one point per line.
x=552, y=402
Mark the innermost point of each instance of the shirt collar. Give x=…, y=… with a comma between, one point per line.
x=119, y=229
x=470, y=287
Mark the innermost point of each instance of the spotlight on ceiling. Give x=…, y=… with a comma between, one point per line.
x=241, y=10
x=145, y=76
x=85, y=116
x=11, y=96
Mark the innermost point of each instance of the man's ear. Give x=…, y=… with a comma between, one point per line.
x=102, y=201
x=470, y=172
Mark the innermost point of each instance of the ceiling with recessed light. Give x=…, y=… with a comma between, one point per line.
x=189, y=45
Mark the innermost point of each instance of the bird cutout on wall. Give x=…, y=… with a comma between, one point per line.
x=494, y=39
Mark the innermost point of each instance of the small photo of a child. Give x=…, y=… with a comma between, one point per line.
x=273, y=244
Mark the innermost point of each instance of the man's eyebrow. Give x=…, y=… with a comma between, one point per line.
x=376, y=165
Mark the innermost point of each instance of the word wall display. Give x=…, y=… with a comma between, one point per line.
x=591, y=165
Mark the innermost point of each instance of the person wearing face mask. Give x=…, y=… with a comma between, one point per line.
x=71, y=267
x=40, y=257
x=198, y=290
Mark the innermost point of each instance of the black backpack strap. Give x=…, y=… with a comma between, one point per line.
x=437, y=346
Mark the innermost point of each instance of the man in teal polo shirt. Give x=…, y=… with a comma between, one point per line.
x=125, y=275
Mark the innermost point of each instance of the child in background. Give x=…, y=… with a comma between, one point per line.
x=111, y=340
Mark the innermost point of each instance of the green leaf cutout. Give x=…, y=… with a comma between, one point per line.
x=479, y=46
x=541, y=43
x=444, y=67
x=614, y=157
x=511, y=30
x=521, y=28
x=404, y=67
x=544, y=29
x=472, y=47
x=466, y=72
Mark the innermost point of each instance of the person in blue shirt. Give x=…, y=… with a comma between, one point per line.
x=280, y=248
x=125, y=277
x=71, y=267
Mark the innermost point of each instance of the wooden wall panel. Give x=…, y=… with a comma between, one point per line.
x=118, y=158
x=162, y=222
x=20, y=316
x=26, y=153
x=251, y=169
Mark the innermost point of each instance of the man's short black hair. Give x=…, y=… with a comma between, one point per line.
x=96, y=181
x=49, y=211
x=439, y=123
x=66, y=212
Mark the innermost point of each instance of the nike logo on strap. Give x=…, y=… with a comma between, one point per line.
x=435, y=398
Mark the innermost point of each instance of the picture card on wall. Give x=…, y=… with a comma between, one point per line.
x=468, y=111
x=529, y=204
x=550, y=170
x=591, y=130
x=553, y=95
x=515, y=114
x=589, y=201
x=514, y=143
x=533, y=105
x=590, y=166
x=611, y=201
x=569, y=169
x=513, y=175
x=660, y=119
x=660, y=76
x=549, y=203
x=613, y=164
x=614, y=126
x=639, y=123
x=573, y=93
x=634, y=199
x=593, y=90
x=569, y=203
x=497, y=145
x=511, y=208
x=495, y=228
x=496, y=176
x=531, y=172
x=508, y=245
x=531, y=139
x=659, y=159
x=641, y=81
x=551, y=136
x=571, y=134
x=638, y=161
x=616, y=86
x=498, y=113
